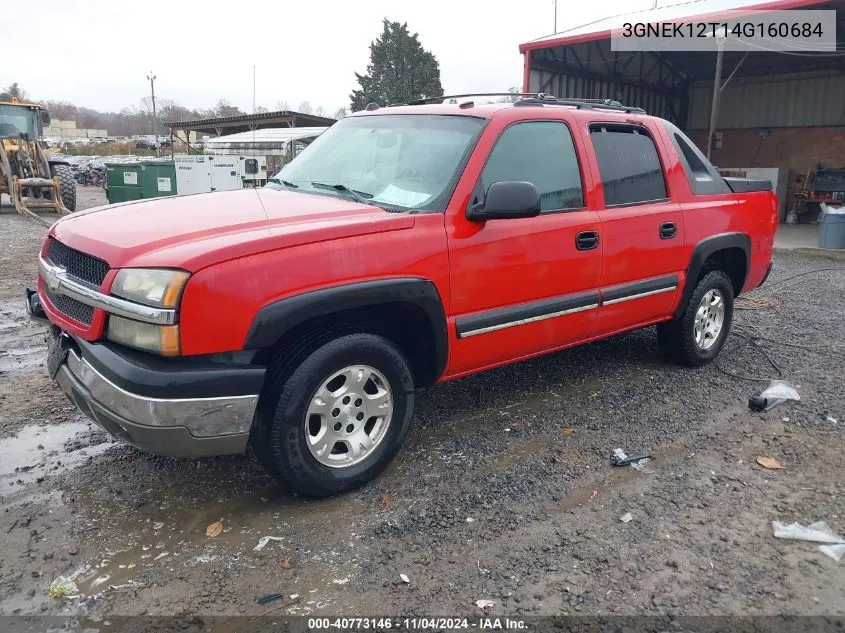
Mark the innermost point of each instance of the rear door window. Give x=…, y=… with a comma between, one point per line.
x=629, y=165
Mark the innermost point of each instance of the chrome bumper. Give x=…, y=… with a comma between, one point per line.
x=173, y=427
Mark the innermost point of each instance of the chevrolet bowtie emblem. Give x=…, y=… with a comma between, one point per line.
x=53, y=282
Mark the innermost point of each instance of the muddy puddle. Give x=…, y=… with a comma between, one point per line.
x=39, y=450
x=21, y=357
x=269, y=524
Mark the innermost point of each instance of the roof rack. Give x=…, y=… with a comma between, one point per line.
x=442, y=98
x=581, y=104
x=538, y=98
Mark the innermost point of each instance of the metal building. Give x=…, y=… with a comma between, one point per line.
x=264, y=142
x=767, y=109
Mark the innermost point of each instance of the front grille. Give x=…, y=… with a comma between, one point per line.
x=81, y=265
x=72, y=308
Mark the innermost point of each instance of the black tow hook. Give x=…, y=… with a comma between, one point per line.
x=33, y=306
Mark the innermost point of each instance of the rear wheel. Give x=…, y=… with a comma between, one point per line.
x=337, y=417
x=67, y=185
x=697, y=336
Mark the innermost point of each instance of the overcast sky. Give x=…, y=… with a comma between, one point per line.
x=97, y=53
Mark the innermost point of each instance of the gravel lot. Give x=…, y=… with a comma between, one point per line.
x=503, y=492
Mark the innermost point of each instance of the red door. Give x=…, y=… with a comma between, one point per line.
x=520, y=287
x=642, y=230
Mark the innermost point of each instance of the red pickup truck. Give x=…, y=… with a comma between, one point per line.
x=406, y=246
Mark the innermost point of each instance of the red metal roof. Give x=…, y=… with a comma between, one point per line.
x=601, y=29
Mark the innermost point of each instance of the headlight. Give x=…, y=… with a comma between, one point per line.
x=156, y=287
x=161, y=339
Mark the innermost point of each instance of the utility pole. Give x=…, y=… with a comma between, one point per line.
x=253, y=88
x=152, y=79
x=555, y=3
x=717, y=89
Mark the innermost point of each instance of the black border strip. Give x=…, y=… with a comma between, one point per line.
x=502, y=318
x=153, y=376
x=625, y=292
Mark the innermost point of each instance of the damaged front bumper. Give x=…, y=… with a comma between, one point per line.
x=164, y=407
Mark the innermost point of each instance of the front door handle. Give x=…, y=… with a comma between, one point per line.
x=668, y=230
x=587, y=240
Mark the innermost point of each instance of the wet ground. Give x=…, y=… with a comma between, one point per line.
x=503, y=492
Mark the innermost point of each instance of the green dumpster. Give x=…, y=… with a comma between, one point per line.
x=139, y=181
x=158, y=178
x=122, y=194
x=123, y=182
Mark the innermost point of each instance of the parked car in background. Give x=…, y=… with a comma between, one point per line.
x=145, y=143
x=404, y=247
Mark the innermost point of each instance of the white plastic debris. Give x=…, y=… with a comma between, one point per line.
x=341, y=581
x=483, y=604
x=262, y=542
x=62, y=587
x=294, y=596
x=818, y=532
x=834, y=551
x=626, y=518
x=639, y=465
x=157, y=525
x=470, y=520
x=778, y=391
x=405, y=578
x=832, y=420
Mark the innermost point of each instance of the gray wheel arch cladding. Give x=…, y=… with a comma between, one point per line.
x=275, y=319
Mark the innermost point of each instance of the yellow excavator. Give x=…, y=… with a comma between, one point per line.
x=31, y=178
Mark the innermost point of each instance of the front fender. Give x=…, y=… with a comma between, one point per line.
x=275, y=319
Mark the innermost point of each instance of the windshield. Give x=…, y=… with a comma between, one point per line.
x=404, y=162
x=15, y=120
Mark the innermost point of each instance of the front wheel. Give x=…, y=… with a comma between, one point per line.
x=67, y=185
x=696, y=337
x=338, y=417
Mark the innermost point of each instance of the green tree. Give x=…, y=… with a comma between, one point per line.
x=224, y=108
x=13, y=90
x=399, y=71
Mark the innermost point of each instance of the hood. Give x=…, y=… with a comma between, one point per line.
x=191, y=232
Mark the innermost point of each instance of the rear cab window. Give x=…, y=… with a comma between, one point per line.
x=702, y=176
x=629, y=165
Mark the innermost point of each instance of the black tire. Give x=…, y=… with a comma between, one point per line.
x=279, y=437
x=67, y=185
x=676, y=338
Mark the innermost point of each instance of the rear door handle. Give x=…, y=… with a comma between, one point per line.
x=668, y=230
x=586, y=240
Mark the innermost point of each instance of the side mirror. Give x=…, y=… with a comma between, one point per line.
x=507, y=200
x=45, y=118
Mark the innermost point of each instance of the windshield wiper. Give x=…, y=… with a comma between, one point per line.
x=357, y=196
x=286, y=183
